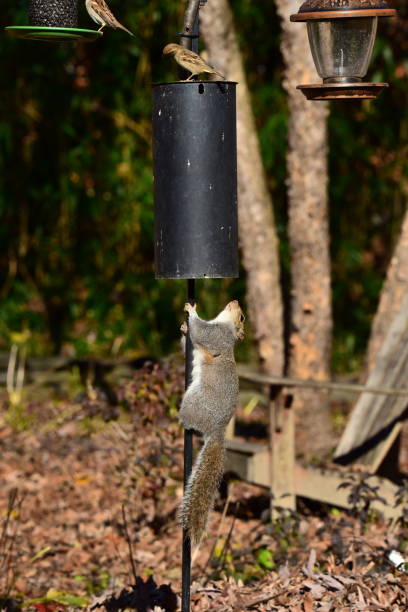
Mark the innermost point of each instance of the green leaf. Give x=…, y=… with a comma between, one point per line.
x=265, y=558
x=40, y=553
x=61, y=597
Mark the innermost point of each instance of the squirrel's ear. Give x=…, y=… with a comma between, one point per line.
x=190, y=307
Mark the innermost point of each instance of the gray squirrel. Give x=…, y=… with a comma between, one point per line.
x=207, y=407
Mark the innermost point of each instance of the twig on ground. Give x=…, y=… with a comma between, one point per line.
x=7, y=541
x=264, y=598
x=217, y=535
x=223, y=555
x=129, y=543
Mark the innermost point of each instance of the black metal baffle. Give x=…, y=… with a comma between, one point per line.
x=53, y=13
x=195, y=179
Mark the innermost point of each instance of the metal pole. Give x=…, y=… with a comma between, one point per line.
x=189, y=40
x=189, y=35
x=188, y=464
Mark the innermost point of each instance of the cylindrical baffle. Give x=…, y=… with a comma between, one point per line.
x=54, y=13
x=195, y=179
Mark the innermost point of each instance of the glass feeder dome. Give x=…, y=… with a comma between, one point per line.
x=341, y=37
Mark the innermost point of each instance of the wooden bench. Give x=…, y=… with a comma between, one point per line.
x=369, y=438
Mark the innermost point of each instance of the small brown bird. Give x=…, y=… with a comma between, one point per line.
x=189, y=60
x=100, y=12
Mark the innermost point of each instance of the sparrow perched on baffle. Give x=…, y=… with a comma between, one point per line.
x=189, y=60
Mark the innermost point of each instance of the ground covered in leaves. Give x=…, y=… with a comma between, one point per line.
x=88, y=500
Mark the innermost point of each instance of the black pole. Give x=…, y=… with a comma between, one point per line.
x=185, y=204
x=189, y=40
x=190, y=33
x=188, y=464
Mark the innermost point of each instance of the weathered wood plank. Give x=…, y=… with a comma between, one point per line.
x=385, y=448
x=322, y=485
x=282, y=452
x=273, y=465
x=286, y=381
x=374, y=419
x=250, y=462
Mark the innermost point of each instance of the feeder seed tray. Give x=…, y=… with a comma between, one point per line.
x=338, y=91
x=53, y=34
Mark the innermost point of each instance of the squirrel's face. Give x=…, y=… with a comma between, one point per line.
x=237, y=318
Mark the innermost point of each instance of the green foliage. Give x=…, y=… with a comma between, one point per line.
x=76, y=204
x=97, y=583
x=60, y=597
x=368, y=189
x=18, y=417
x=41, y=553
x=77, y=245
x=401, y=502
x=362, y=495
x=155, y=390
x=89, y=426
x=347, y=351
x=285, y=528
x=264, y=558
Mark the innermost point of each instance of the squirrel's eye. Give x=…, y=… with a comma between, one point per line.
x=242, y=318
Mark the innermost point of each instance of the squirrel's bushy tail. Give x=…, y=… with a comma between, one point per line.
x=202, y=488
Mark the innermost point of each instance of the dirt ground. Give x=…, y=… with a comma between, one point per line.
x=88, y=500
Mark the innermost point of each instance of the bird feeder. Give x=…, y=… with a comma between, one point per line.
x=341, y=37
x=53, y=20
x=195, y=179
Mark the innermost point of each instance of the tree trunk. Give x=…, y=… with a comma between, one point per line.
x=311, y=317
x=392, y=294
x=258, y=240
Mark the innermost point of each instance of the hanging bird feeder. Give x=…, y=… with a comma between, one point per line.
x=55, y=21
x=341, y=37
x=195, y=179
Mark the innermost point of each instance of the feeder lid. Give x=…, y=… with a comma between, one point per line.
x=340, y=9
x=53, y=34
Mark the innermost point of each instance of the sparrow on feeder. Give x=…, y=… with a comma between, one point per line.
x=189, y=60
x=99, y=11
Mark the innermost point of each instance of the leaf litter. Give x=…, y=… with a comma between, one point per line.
x=88, y=521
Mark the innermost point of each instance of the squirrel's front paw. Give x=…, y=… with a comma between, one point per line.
x=190, y=307
x=184, y=328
